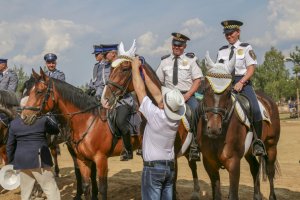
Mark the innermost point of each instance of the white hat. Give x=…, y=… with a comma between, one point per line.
x=9, y=178
x=124, y=55
x=174, y=104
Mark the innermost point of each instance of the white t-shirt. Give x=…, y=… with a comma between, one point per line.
x=159, y=134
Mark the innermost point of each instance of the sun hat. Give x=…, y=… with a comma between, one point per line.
x=174, y=104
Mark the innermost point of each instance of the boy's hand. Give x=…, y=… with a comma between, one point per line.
x=136, y=63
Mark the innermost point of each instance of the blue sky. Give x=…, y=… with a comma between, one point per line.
x=70, y=28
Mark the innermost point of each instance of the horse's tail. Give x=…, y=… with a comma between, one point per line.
x=264, y=168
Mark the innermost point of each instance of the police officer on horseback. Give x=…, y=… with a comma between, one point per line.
x=243, y=71
x=181, y=71
x=105, y=55
x=50, y=59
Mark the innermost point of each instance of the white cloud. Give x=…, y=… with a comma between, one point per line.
x=263, y=41
x=195, y=28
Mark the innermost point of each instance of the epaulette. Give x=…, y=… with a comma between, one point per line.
x=164, y=57
x=223, y=47
x=190, y=55
x=244, y=44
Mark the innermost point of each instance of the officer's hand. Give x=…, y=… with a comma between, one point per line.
x=238, y=86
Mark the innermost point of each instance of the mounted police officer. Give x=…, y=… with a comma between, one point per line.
x=181, y=71
x=50, y=59
x=244, y=69
x=8, y=78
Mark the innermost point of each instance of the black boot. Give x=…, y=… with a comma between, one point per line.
x=127, y=151
x=194, y=150
x=258, y=147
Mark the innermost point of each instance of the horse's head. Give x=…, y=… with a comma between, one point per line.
x=217, y=101
x=41, y=98
x=120, y=79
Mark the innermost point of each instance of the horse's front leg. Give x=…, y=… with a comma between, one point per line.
x=213, y=172
x=85, y=171
x=193, y=167
x=102, y=170
x=254, y=168
x=233, y=167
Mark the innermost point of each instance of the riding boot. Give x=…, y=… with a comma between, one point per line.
x=127, y=151
x=194, y=153
x=258, y=147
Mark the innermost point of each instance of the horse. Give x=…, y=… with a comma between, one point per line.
x=119, y=83
x=224, y=137
x=8, y=102
x=54, y=149
x=90, y=135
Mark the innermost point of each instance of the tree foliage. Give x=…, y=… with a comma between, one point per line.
x=21, y=75
x=272, y=77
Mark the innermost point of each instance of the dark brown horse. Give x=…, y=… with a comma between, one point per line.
x=90, y=135
x=8, y=102
x=120, y=82
x=222, y=136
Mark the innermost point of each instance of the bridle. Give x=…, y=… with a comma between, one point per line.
x=225, y=114
x=120, y=92
x=49, y=93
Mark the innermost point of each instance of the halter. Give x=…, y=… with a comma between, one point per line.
x=121, y=89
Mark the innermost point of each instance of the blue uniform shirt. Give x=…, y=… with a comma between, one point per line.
x=9, y=80
x=57, y=74
x=101, y=73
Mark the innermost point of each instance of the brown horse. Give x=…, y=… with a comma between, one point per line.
x=222, y=136
x=8, y=102
x=119, y=83
x=90, y=135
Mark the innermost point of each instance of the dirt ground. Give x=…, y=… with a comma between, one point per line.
x=125, y=177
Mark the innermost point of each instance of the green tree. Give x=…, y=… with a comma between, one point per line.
x=272, y=77
x=21, y=75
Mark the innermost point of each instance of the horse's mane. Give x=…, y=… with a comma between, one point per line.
x=75, y=96
x=152, y=73
x=8, y=99
x=28, y=84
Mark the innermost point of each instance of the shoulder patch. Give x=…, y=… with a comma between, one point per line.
x=244, y=44
x=223, y=47
x=190, y=55
x=165, y=56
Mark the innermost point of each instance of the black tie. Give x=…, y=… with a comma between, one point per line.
x=175, y=71
x=231, y=52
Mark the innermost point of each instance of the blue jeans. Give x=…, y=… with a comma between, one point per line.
x=157, y=180
x=193, y=103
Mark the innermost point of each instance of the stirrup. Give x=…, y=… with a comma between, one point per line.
x=258, y=148
x=194, y=153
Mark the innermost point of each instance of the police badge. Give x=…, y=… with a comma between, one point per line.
x=240, y=52
x=252, y=54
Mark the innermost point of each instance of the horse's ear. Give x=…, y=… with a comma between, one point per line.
x=208, y=61
x=35, y=75
x=43, y=75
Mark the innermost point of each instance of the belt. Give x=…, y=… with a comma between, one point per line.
x=167, y=163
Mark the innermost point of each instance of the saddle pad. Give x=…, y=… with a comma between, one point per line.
x=188, y=138
x=243, y=117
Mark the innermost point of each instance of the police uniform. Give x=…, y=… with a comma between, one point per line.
x=57, y=74
x=188, y=70
x=245, y=57
x=8, y=79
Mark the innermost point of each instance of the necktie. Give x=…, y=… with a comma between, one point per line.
x=231, y=52
x=175, y=71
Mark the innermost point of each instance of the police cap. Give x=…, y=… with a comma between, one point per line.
x=98, y=49
x=3, y=60
x=50, y=57
x=109, y=47
x=179, y=39
x=231, y=25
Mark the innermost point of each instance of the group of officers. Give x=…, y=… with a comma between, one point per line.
x=178, y=70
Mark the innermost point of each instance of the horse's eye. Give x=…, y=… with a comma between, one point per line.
x=39, y=92
x=126, y=69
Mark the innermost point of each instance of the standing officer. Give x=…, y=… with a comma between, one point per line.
x=181, y=71
x=50, y=59
x=8, y=78
x=243, y=71
x=27, y=150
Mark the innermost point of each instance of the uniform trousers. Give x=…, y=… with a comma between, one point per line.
x=45, y=177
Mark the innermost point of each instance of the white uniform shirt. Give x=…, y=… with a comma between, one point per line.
x=244, y=56
x=159, y=134
x=188, y=70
